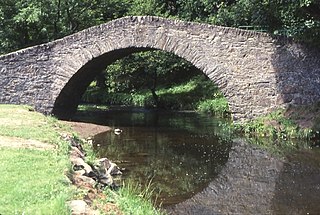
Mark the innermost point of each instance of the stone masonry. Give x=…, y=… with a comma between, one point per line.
x=256, y=72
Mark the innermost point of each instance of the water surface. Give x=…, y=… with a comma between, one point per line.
x=179, y=152
x=191, y=161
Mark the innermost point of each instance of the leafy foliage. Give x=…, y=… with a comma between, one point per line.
x=132, y=199
x=172, y=92
x=139, y=78
x=29, y=22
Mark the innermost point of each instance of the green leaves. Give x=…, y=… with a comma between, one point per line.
x=29, y=15
x=28, y=22
x=144, y=7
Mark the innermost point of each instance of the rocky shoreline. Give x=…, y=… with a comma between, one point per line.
x=91, y=177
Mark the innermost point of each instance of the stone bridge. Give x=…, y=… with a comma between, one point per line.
x=256, y=72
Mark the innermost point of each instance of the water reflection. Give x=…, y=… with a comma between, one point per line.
x=180, y=152
x=254, y=181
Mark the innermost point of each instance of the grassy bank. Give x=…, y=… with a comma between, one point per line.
x=32, y=181
x=33, y=178
x=275, y=125
x=285, y=129
x=198, y=93
x=129, y=199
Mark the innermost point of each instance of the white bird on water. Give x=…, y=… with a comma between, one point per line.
x=117, y=131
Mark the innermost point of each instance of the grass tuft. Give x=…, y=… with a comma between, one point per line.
x=132, y=199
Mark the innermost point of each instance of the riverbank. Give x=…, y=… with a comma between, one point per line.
x=35, y=159
x=284, y=130
x=34, y=164
x=86, y=130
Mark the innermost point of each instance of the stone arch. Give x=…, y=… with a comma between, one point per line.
x=68, y=99
x=70, y=95
x=119, y=38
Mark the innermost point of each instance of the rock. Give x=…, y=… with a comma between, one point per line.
x=93, y=174
x=114, y=170
x=85, y=180
x=89, y=141
x=76, y=144
x=79, y=172
x=76, y=152
x=109, y=167
x=78, y=207
x=106, y=180
x=79, y=163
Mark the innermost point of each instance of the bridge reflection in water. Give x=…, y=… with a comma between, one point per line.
x=192, y=160
x=255, y=182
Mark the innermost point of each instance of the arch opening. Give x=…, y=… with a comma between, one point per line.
x=68, y=99
x=72, y=93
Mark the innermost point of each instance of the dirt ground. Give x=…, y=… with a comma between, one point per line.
x=16, y=142
x=86, y=130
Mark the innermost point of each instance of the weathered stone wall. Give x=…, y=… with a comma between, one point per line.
x=256, y=72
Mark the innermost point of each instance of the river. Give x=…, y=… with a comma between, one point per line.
x=194, y=167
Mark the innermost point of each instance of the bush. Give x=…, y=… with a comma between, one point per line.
x=217, y=106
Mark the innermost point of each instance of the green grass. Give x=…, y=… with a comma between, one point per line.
x=92, y=107
x=276, y=132
x=198, y=93
x=19, y=121
x=275, y=125
x=32, y=181
x=132, y=199
x=217, y=106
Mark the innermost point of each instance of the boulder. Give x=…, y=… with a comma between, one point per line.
x=78, y=207
x=108, y=167
x=106, y=180
x=76, y=152
x=79, y=163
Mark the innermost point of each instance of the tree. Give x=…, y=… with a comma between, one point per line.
x=297, y=19
x=30, y=22
x=147, y=70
